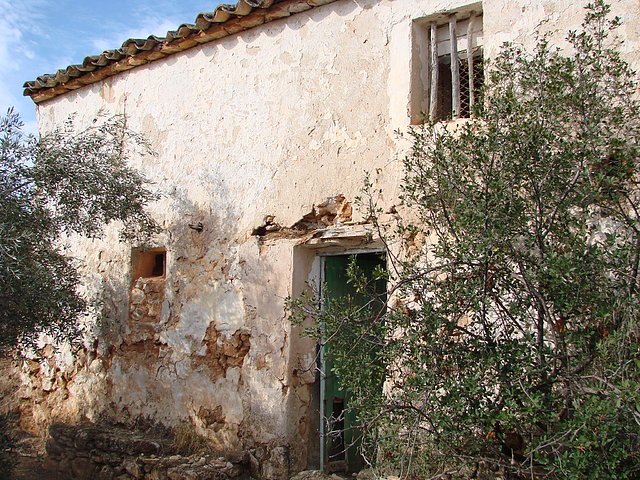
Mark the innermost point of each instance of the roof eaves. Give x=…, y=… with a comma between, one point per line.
x=209, y=26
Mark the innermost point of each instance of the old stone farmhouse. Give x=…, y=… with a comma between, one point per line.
x=265, y=116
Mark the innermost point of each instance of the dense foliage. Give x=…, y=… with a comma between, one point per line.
x=511, y=337
x=67, y=182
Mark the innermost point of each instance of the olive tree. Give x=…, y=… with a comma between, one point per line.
x=66, y=182
x=512, y=342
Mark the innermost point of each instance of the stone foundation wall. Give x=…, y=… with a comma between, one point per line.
x=102, y=453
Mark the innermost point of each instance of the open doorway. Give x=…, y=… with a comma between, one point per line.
x=340, y=439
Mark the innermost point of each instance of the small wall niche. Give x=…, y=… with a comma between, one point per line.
x=148, y=263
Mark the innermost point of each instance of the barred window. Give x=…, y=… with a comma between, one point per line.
x=449, y=66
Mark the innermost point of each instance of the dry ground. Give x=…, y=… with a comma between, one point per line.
x=29, y=456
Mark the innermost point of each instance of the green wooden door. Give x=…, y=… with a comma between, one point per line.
x=341, y=439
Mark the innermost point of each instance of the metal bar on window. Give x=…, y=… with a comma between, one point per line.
x=433, y=97
x=470, y=61
x=455, y=68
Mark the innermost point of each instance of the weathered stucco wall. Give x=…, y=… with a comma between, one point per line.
x=268, y=122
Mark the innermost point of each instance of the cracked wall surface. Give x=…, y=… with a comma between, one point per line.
x=262, y=140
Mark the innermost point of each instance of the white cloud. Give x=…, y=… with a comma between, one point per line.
x=11, y=37
x=16, y=21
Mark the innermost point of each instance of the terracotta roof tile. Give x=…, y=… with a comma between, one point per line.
x=209, y=26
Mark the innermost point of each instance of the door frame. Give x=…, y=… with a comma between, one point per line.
x=322, y=255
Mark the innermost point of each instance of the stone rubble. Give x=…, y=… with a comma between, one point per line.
x=91, y=452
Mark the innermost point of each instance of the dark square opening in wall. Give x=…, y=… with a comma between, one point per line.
x=148, y=263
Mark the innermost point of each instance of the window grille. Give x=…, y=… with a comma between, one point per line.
x=456, y=67
x=449, y=63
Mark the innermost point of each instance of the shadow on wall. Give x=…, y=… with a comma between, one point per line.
x=139, y=295
x=170, y=324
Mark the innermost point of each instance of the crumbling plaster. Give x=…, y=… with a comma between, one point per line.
x=271, y=121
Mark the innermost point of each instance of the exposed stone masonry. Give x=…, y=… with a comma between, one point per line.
x=107, y=453
x=334, y=211
x=146, y=299
x=223, y=353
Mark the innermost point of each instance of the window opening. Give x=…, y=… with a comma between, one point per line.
x=449, y=66
x=146, y=293
x=456, y=66
x=148, y=264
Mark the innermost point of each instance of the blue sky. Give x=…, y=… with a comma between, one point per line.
x=41, y=36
